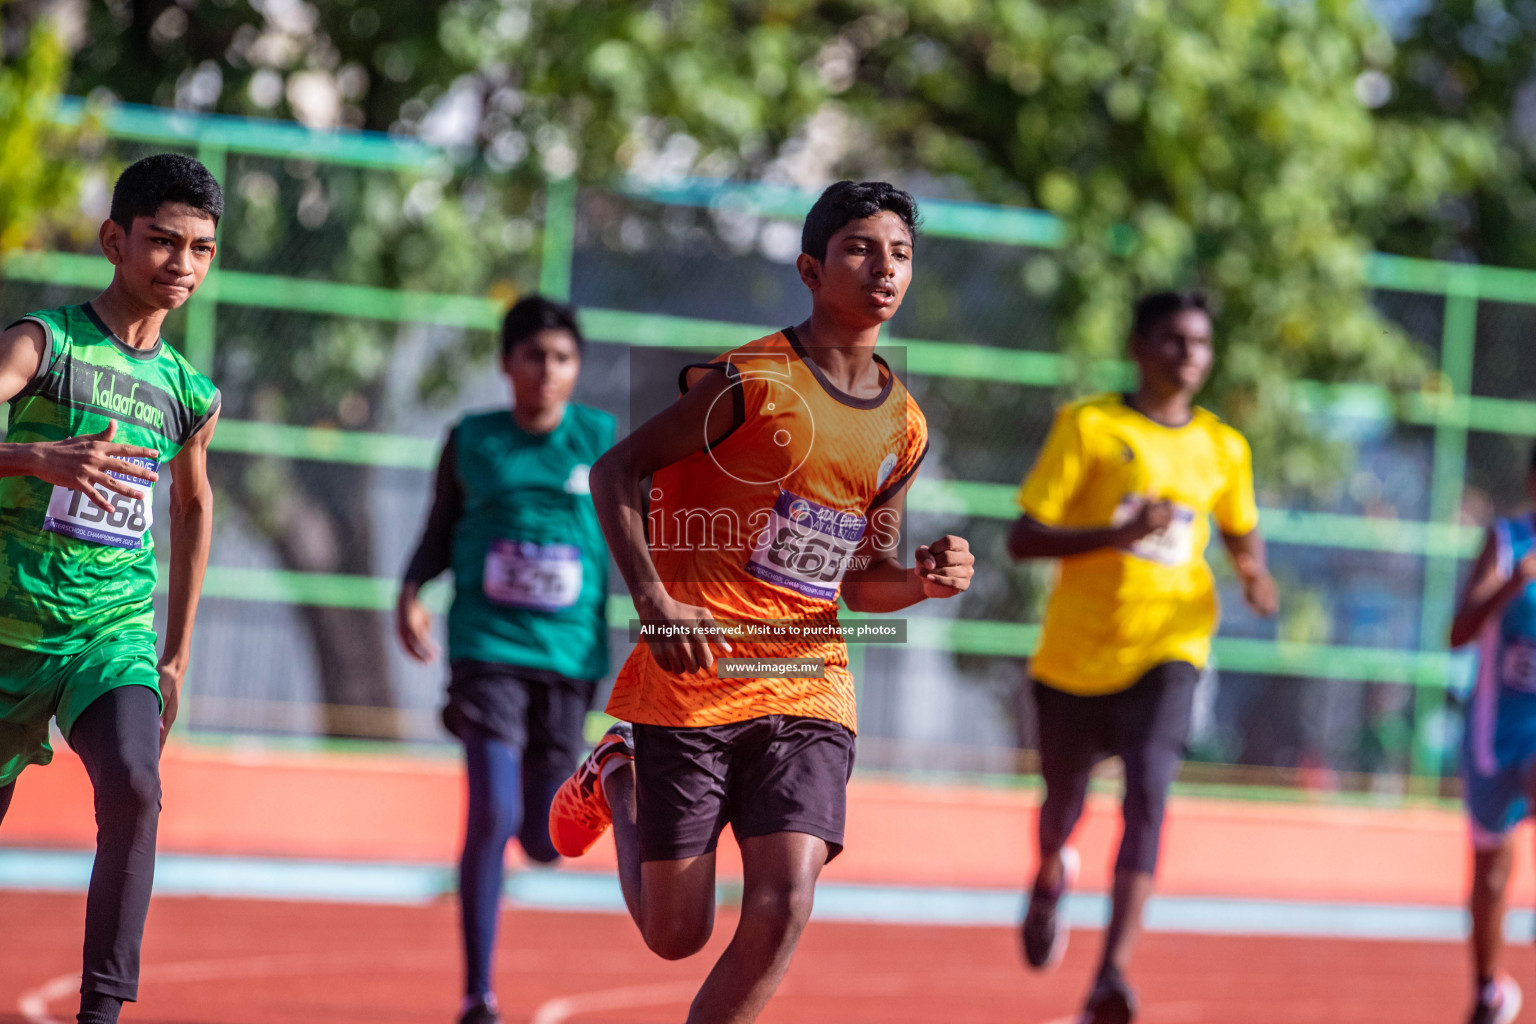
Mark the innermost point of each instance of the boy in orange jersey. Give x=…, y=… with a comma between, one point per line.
x=777, y=482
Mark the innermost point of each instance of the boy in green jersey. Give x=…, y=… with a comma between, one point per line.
x=98, y=405
x=527, y=633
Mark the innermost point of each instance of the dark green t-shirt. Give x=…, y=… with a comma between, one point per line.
x=530, y=567
x=71, y=572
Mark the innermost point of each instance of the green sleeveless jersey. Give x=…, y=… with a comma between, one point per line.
x=530, y=567
x=71, y=572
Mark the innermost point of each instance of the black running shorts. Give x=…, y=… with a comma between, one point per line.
x=1146, y=726
x=541, y=713
x=779, y=773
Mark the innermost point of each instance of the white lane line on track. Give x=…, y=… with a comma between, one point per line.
x=34, y=1003
x=415, y=884
x=558, y=1011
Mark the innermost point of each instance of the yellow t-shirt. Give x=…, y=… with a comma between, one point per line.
x=1117, y=612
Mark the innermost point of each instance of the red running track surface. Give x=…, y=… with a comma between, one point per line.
x=248, y=962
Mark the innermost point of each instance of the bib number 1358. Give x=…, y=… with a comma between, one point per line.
x=73, y=514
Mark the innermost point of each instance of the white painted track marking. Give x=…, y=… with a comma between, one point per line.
x=34, y=1003
x=558, y=1011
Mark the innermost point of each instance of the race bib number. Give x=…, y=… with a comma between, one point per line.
x=806, y=547
x=542, y=577
x=1172, y=545
x=1517, y=667
x=72, y=514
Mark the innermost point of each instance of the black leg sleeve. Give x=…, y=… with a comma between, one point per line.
x=118, y=739
x=1153, y=735
x=1069, y=748
x=6, y=792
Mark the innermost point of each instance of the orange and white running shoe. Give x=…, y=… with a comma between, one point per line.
x=580, y=815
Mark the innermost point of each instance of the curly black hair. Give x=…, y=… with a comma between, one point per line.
x=848, y=201
x=165, y=178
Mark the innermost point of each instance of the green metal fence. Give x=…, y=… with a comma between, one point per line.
x=1451, y=413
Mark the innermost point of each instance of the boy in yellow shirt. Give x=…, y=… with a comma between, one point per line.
x=1123, y=493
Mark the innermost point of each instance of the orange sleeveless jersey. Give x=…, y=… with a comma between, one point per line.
x=761, y=527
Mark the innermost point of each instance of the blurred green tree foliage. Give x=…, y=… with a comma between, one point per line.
x=1249, y=147
x=1239, y=146
x=1473, y=61
x=39, y=171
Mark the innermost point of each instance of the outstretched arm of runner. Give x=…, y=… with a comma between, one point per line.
x=1259, y=589
x=685, y=427
x=1488, y=591
x=191, y=532
x=80, y=463
x=413, y=622
x=942, y=569
x=1030, y=538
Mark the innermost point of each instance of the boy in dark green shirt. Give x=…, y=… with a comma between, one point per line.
x=527, y=633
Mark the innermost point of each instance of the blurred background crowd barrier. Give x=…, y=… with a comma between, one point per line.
x=338, y=393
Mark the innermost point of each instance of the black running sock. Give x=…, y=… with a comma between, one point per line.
x=96, y=1008
x=1110, y=976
